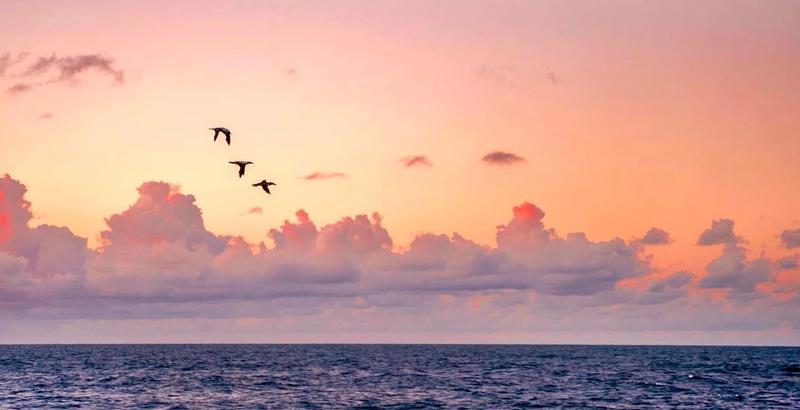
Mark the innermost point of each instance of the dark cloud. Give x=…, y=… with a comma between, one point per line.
x=656, y=236
x=720, y=233
x=787, y=263
x=791, y=238
x=416, y=160
x=67, y=68
x=502, y=158
x=324, y=175
x=54, y=69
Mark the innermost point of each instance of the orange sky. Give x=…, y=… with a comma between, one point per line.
x=629, y=114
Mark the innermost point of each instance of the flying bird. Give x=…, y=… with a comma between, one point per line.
x=265, y=185
x=242, y=165
x=223, y=130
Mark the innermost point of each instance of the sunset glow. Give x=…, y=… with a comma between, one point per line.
x=489, y=172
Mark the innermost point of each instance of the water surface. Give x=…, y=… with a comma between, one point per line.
x=398, y=376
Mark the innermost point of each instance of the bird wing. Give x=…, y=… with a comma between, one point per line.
x=216, y=133
x=228, y=138
x=266, y=188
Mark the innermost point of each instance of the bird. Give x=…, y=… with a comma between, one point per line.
x=265, y=185
x=242, y=165
x=223, y=130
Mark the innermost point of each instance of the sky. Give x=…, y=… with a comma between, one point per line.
x=447, y=172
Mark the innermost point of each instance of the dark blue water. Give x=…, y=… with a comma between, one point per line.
x=397, y=376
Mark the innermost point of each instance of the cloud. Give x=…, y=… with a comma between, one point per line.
x=36, y=260
x=256, y=210
x=720, y=233
x=791, y=238
x=324, y=175
x=161, y=214
x=676, y=280
x=54, y=69
x=19, y=88
x=5, y=62
x=46, y=116
x=502, y=158
x=787, y=263
x=731, y=270
x=552, y=78
x=656, y=236
x=416, y=160
x=67, y=68
x=158, y=260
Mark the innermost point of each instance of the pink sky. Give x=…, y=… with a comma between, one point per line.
x=624, y=116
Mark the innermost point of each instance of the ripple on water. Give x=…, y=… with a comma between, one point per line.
x=397, y=377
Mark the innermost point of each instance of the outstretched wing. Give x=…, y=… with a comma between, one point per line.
x=228, y=137
x=216, y=133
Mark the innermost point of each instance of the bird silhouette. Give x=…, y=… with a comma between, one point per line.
x=265, y=185
x=242, y=165
x=223, y=130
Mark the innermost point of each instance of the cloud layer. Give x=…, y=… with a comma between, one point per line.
x=158, y=260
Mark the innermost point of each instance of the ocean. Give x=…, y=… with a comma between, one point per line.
x=398, y=376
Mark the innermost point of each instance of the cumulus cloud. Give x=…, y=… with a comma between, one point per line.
x=39, y=260
x=502, y=158
x=720, y=233
x=732, y=270
x=161, y=214
x=416, y=160
x=54, y=69
x=157, y=259
x=656, y=236
x=324, y=175
x=791, y=238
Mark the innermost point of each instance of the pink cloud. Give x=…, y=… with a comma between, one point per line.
x=256, y=210
x=324, y=175
x=159, y=260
